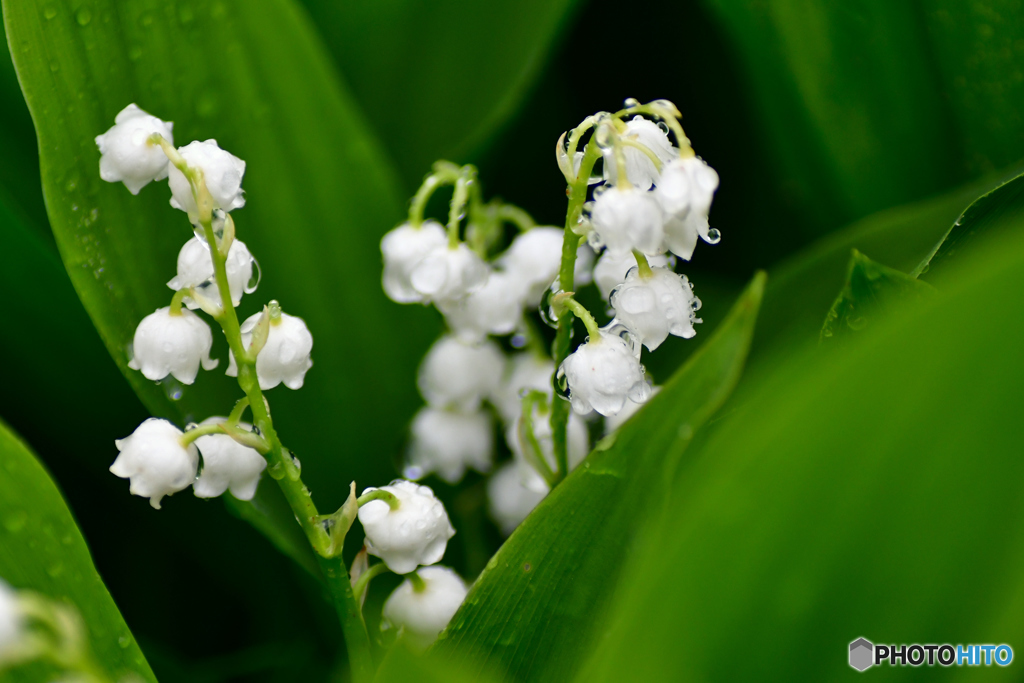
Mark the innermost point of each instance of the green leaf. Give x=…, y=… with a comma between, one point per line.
x=1000, y=209
x=320, y=194
x=847, y=100
x=802, y=288
x=846, y=495
x=535, y=609
x=400, y=666
x=436, y=79
x=41, y=549
x=871, y=289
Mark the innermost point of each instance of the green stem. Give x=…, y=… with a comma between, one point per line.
x=238, y=410
x=580, y=311
x=363, y=582
x=444, y=174
x=176, y=300
x=457, y=209
x=563, y=338
x=418, y=585
x=193, y=434
x=642, y=265
x=282, y=468
x=516, y=216
x=379, y=494
x=552, y=478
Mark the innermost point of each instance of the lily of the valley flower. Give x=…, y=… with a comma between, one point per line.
x=449, y=442
x=685, y=192
x=127, y=156
x=628, y=219
x=227, y=464
x=421, y=614
x=655, y=305
x=640, y=169
x=195, y=268
x=174, y=344
x=602, y=374
x=612, y=267
x=459, y=376
x=448, y=274
x=284, y=358
x=222, y=172
x=11, y=620
x=155, y=461
x=512, y=494
x=403, y=248
x=414, y=533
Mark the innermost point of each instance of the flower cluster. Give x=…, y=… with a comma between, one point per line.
x=406, y=526
x=646, y=206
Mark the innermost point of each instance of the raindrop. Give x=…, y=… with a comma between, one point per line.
x=663, y=126
x=276, y=470
x=186, y=15
x=146, y=20
x=518, y=340
x=124, y=641
x=15, y=522
x=135, y=53
x=55, y=570
x=172, y=388
x=50, y=12
x=714, y=236
x=412, y=472
x=562, y=384
x=254, y=281
x=601, y=189
x=547, y=314
x=83, y=17
x=54, y=67
x=631, y=102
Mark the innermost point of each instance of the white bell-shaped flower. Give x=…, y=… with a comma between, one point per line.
x=422, y=615
x=12, y=620
x=640, y=170
x=227, y=464
x=127, y=156
x=167, y=344
x=403, y=248
x=629, y=409
x=656, y=306
x=628, y=219
x=510, y=499
x=448, y=442
x=602, y=374
x=154, y=460
x=496, y=308
x=577, y=436
x=685, y=192
x=284, y=359
x=415, y=533
x=195, y=268
x=533, y=260
x=222, y=171
x=459, y=376
x=612, y=267
x=447, y=274
x=524, y=372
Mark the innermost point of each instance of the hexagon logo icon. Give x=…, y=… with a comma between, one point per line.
x=862, y=653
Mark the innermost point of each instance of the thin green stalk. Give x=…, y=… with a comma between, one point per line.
x=566, y=271
x=283, y=469
x=363, y=582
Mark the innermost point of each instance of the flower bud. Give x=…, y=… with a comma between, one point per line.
x=155, y=461
x=510, y=499
x=127, y=156
x=421, y=616
x=284, y=357
x=222, y=172
x=415, y=533
x=628, y=219
x=525, y=372
x=459, y=376
x=195, y=268
x=602, y=374
x=403, y=248
x=227, y=464
x=656, y=306
x=176, y=345
x=448, y=442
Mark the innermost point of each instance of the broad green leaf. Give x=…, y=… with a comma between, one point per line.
x=870, y=290
x=997, y=210
x=802, y=288
x=320, y=194
x=436, y=79
x=847, y=99
x=535, y=609
x=400, y=666
x=846, y=495
x=41, y=549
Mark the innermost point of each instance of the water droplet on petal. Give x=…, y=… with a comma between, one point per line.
x=254, y=281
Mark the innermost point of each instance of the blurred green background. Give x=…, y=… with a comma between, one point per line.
x=868, y=124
